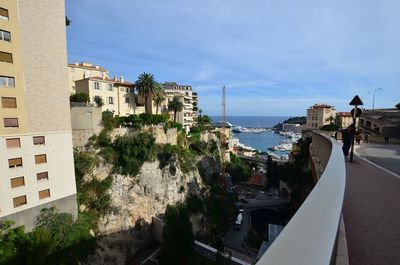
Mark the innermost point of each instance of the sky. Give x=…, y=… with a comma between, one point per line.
x=275, y=57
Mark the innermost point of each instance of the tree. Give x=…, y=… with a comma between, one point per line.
x=398, y=106
x=79, y=97
x=159, y=97
x=331, y=119
x=177, y=236
x=146, y=86
x=175, y=105
x=99, y=101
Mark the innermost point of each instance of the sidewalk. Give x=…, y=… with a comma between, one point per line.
x=371, y=209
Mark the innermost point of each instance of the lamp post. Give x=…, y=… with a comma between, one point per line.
x=356, y=112
x=373, y=99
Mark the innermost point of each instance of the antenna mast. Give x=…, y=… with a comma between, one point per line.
x=223, y=130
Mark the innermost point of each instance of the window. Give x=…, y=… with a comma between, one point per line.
x=5, y=35
x=42, y=176
x=37, y=140
x=6, y=81
x=44, y=194
x=18, y=201
x=110, y=87
x=13, y=142
x=17, y=182
x=132, y=90
x=11, y=122
x=15, y=162
x=3, y=14
x=6, y=57
x=127, y=100
x=110, y=100
x=8, y=103
x=40, y=159
x=96, y=85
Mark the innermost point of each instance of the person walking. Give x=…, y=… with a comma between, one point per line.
x=386, y=139
x=366, y=138
x=347, y=138
x=358, y=138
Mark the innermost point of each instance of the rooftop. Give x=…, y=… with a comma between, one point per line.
x=86, y=65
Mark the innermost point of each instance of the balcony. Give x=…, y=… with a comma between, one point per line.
x=311, y=235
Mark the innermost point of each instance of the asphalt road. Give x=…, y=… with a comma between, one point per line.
x=371, y=214
x=387, y=156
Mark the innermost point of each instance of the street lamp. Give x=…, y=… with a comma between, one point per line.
x=373, y=99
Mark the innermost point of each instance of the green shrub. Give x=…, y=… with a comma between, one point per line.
x=195, y=204
x=84, y=163
x=132, y=151
x=79, y=97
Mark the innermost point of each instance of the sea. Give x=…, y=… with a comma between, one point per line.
x=259, y=141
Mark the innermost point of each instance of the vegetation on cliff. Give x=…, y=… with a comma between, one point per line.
x=296, y=120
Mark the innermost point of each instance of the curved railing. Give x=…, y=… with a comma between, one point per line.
x=310, y=236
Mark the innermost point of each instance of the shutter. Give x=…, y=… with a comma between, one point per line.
x=10, y=122
x=3, y=12
x=38, y=140
x=15, y=162
x=7, y=102
x=18, y=201
x=13, y=142
x=42, y=175
x=6, y=57
x=44, y=194
x=39, y=159
x=16, y=182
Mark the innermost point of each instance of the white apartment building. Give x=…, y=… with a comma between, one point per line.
x=82, y=70
x=188, y=116
x=36, y=155
x=118, y=94
x=319, y=114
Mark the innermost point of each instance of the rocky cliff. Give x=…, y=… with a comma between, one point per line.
x=135, y=200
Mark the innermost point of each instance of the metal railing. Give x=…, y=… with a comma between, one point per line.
x=311, y=235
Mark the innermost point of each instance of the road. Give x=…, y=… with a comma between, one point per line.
x=235, y=238
x=371, y=212
x=387, y=156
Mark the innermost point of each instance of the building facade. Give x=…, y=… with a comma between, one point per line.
x=188, y=116
x=36, y=155
x=118, y=95
x=344, y=119
x=380, y=121
x=82, y=70
x=319, y=115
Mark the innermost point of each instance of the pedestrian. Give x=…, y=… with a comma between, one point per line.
x=347, y=136
x=366, y=138
x=358, y=138
x=386, y=139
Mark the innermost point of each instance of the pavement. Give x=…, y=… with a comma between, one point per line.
x=371, y=209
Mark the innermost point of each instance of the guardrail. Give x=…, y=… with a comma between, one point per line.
x=311, y=235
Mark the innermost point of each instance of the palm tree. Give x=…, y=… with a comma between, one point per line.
x=146, y=86
x=159, y=97
x=175, y=105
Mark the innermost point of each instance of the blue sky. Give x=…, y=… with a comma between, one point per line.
x=275, y=57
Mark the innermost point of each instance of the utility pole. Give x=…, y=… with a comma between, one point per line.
x=223, y=128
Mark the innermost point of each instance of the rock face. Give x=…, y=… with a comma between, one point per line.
x=135, y=200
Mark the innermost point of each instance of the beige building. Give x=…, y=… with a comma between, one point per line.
x=188, y=116
x=36, y=156
x=118, y=95
x=82, y=70
x=319, y=115
x=344, y=119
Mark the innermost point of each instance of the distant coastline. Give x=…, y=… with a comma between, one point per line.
x=253, y=121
